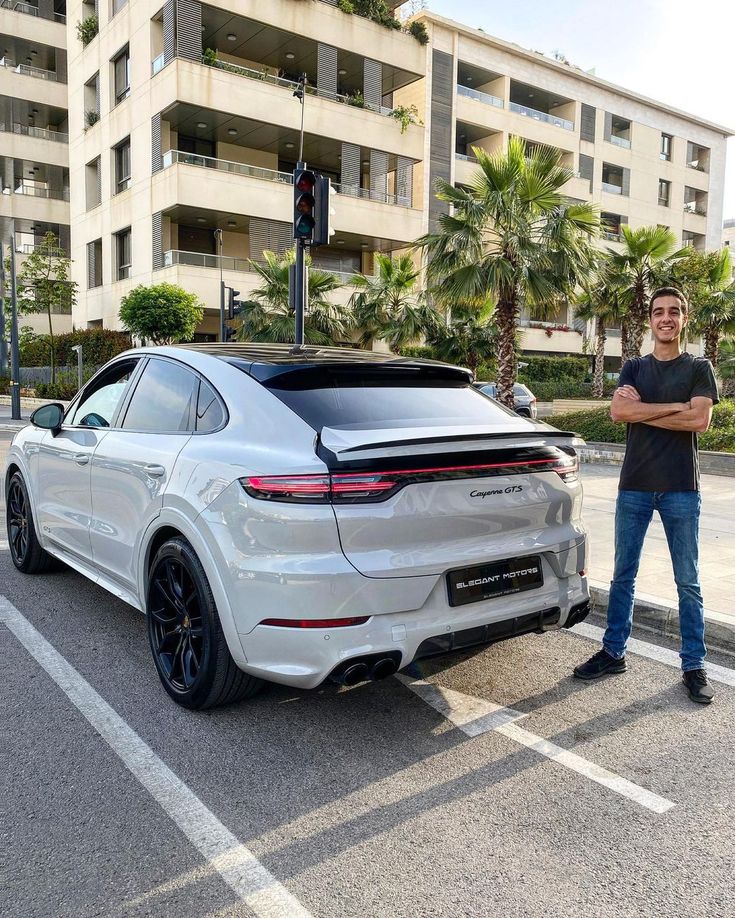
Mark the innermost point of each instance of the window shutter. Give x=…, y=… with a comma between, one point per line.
x=378, y=175
x=350, y=174
x=189, y=29
x=156, y=156
x=440, y=163
x=587, y=168
x=587, y=124
x=157, y=240
x=169, y=31
x=326, y=70
x=91, y=265
x=626, y=182
x=373, y=84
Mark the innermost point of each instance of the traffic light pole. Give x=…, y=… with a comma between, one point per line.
x=300, y=292
x=220, y=241
x=3, y=342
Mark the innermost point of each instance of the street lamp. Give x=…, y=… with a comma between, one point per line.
x=78, y=349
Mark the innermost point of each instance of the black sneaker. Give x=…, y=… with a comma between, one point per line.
x=698, y=688
x=601, y=664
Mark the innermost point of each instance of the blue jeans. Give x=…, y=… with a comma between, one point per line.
x=679, y=512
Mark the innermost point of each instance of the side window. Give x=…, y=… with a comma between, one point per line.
x=164, y=399
x=210, y=413
x=100, y=399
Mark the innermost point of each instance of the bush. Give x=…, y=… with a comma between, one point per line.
x=414, y=350
x=555, y=368
x=418, y=30
x=597, y=427
x=98, y=346
x=162, y=313
x=4, y=385
x=548, y=390
x=87, y=29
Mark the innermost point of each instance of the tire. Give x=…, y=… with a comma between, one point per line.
x=523, y=412
x=187, y=642
x=25, y=549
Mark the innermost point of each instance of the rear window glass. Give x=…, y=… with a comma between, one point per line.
x=365, y=401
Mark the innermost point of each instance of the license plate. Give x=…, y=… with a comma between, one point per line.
x=485, y=581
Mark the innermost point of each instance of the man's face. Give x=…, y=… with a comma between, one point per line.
x=668, y=319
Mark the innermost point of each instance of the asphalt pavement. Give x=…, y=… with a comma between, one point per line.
x=485, y=783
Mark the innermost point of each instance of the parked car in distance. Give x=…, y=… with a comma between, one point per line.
x=524, y=400
x=297, y=515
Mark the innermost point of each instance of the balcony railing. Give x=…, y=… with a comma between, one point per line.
x=696, y=166
x=263, y=76
x=230, y=263
x=27, y=70
x=28, y=248
x=691, y=207
x=620, y=141
x=35, y=192
x=271, y=175
x=612, y=189
x=27, y=130
x=465, y=158
x=17, y=7
x=541, y=116
x=483, y=97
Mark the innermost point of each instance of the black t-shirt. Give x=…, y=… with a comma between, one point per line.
x=658, y=459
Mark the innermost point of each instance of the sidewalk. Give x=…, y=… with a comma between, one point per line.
x=655, y=588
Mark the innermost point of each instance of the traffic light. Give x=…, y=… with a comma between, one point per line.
x=233, y=304
x=229, y=333
x=304, y=184
x=324, y=194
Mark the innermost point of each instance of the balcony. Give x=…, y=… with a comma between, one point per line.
x=697, y=157
x=28, y=70
x=479, y=96
x=541, y=116
x=695, y=201
x=617, y=131
x=610, y=188
x=620, y=141
x=542, y=106
x=172, y=157
x=16, y=6
x=34, y=191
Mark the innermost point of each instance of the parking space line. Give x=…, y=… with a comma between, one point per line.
x=474, y=716
x=234, y=862
x=654, y=652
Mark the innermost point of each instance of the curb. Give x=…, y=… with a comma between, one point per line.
x=655, y=615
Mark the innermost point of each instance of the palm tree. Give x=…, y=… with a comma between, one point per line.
x=268, y=316
x=726, y=366
x=600, y=302
x=468, y=340
x=713, y=315
x=644, y=263
x=390, y=305
x=511, y=238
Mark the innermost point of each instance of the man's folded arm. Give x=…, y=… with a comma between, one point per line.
x=697, y=417
x=633, y=411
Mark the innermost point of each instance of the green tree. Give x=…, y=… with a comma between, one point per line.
x=268, y=316
x=706, y=280
x=469, y=339
x=511, y=238
x=726, y=366
x=391, y=306
x=599, y=302
x=44, y=287
x=645, y=262
x=161, y=313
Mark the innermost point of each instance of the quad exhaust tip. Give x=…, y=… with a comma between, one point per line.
x=354, y=674
x=383, y=668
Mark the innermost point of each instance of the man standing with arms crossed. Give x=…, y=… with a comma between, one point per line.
x=666, y=398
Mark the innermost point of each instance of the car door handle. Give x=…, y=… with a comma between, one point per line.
x=81, y=458
x=155, y=471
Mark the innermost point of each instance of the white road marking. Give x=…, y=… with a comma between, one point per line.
x=4, y=545
x=654, y=652
x=234, y=862
x=474, y=716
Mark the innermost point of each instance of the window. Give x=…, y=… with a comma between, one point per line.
x=92, y=101
x=121, y=154
x=93, y=183
x=117, y=5
x=122, y=254
x=666, y=141
x=164, y=399
x=121, y=75
x=101, y=397
x=210, y=412
x=94, y=264
x=664, y=193
x=378, y=397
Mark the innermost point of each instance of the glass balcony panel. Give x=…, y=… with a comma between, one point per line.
x=541, y=116
x=612, y=189
x=483, y=97
x=620, y=141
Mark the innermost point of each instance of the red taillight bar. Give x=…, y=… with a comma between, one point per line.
x=315, y=622
x=374, y=486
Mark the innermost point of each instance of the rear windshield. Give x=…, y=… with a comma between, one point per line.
x=380, y=400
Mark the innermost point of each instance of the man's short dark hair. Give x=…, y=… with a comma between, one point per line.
x=667, y=291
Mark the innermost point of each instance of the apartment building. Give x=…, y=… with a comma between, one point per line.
x=640, y=161
x=728, y=239
x=184, y=130
x=185, y=173
x=34, y=150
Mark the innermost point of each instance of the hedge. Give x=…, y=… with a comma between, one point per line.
x=551, y=369
x=597, y=427
x=548, y=390
x=98, y=346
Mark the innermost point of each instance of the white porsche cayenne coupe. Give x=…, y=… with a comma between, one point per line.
x=300, y=515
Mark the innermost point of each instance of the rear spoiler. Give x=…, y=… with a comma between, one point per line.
x=350, y=454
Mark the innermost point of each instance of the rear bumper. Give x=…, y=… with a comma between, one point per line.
x=304, y=658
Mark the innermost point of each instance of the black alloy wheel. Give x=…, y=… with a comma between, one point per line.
x=184, y=631
x=25, y=549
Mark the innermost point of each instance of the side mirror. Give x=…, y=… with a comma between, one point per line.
x=49, y=417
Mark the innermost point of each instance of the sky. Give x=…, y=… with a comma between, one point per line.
x=675, y=51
